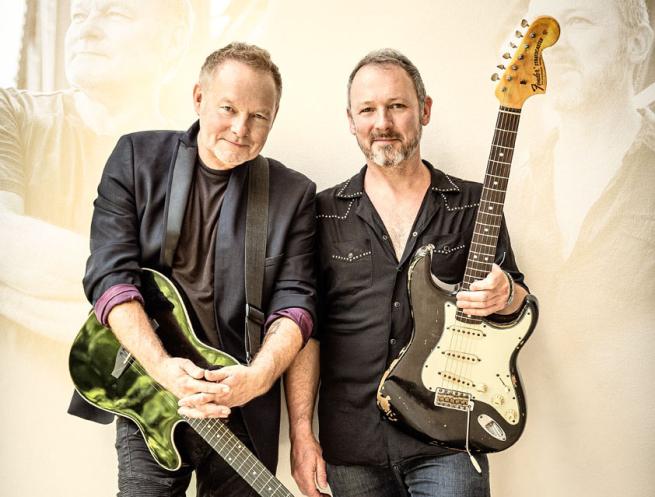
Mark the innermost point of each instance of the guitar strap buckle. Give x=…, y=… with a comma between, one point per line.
x=255, y=319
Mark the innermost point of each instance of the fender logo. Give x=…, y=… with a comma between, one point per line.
x=538, y=72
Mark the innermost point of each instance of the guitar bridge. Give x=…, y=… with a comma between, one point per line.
x=453, y=399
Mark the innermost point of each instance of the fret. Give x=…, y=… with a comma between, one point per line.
x=486, y=201
x=487, y=230
x=484, y=236
x=500, y=162
x=481, y=270
x=478, y=263
x=510, y=112
x=507, y=130
x=494, y=189
x=483, y=245
x=497, y=176
x=502, y=146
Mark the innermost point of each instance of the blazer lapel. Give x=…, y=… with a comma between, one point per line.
x=229, y=251
x=176, y=200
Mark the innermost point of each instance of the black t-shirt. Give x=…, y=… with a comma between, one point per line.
x=193, y=263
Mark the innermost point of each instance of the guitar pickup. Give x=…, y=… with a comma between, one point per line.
x=453, y=399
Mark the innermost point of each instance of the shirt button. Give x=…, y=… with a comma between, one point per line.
x=396, y=304
x=385, y=237
x=415, y=234
x=392, y=341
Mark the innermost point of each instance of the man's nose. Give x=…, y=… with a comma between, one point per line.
x=240, y=126
x=89, y=27
x=383, y=119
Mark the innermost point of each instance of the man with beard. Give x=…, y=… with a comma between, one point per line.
x=369, y=228
x=584, y=221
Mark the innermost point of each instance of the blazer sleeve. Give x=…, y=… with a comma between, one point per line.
x=115, y=250
x=295, y=284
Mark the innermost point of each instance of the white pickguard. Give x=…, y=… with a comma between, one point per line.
x=475, y=359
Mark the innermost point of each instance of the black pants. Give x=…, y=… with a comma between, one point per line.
x=140, y=476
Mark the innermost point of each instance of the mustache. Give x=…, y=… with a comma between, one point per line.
x=384, y=136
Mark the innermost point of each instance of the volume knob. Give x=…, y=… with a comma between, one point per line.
x=498, y=400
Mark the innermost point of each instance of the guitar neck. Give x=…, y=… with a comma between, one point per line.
x=239, y=457
x=490, y=211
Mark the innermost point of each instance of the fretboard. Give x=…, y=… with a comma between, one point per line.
x=490, y=211
x=237, y=455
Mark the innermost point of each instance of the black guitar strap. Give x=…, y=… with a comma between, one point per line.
x=255, y=253
x=256, y=233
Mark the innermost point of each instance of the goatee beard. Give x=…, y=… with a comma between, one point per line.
x=389, y=157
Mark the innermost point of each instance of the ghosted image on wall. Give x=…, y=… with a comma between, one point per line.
x=580, y=207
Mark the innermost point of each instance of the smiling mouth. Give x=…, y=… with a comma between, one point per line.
x=234, y=144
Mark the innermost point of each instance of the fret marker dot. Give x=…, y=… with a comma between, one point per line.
x=486, y=258
x=495, y=183
x=475, y=256
x=486, y=230
x=502, y=154
x=491, y=208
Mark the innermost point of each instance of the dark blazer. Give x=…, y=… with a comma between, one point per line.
x=131, y=215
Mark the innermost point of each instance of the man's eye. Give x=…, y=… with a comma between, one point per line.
x=366, y=110
x=397, y=106
x=226, y=108
x=78, y=16
x=261, y=117
x=118, y=14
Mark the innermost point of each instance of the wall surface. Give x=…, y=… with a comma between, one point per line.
x=580, y=211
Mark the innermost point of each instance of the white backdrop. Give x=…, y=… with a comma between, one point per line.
x=587, y=369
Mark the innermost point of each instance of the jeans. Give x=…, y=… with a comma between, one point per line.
x=452, y=475
x=140, y=476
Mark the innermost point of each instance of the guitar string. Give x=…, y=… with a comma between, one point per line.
x=506, y=124
x=221, y=432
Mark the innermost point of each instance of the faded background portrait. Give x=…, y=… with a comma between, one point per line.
x=77, y=74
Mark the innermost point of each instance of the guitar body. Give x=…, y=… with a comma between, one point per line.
x=454, y=374
x=96, y=358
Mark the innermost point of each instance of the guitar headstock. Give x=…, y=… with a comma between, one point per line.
x=525, y=74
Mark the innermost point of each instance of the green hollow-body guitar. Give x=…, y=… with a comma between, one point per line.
x=108, y=377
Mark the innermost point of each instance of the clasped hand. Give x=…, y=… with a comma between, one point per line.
x=206, y=393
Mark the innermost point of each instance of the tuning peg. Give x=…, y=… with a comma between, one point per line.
x=507, y=55
x=501, y=67
x=512, y=45
x=524, y=23
x=518, y=34
x=495, y=77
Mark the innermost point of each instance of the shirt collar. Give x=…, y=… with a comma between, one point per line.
x=354, y=188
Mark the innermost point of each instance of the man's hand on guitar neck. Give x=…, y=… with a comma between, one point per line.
x=492, y=295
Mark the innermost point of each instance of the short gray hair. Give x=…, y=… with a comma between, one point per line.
x=250, y=55
x=390, y=56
